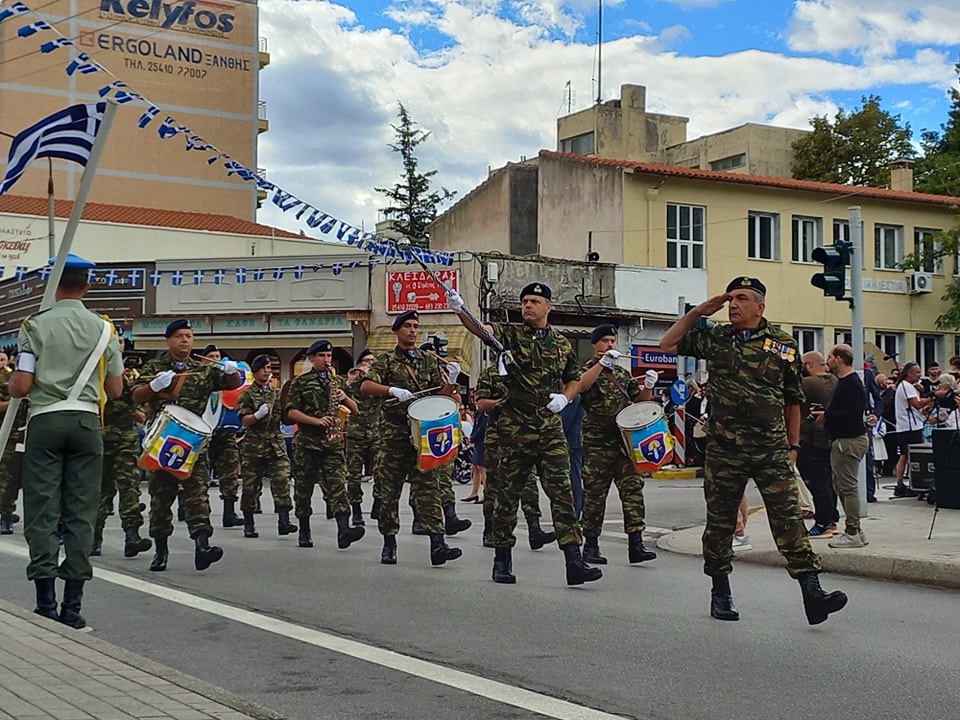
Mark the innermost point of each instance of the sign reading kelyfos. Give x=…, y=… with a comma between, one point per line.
x=198, y=16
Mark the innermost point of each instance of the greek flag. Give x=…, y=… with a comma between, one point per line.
x=233, y=166
x=51, y=45
x=33, y=28
x=44, y=272
x=176, y=277
x=83, y=64
x=155, y=276
x=277, y=273
x=258, y=275
x=133, y=277
x=18, y=8
x=21, y=272
x=67, y=135
x=124, y=96
x=148, y=116
x=241, y=276
x=298, y=272
x=169, y=128
x=218, y=276
x=198, y=277
x=111, y=276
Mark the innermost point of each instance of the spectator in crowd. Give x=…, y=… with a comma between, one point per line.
x=813, y=459
x=930, y=381
x=947, y=409
x=910, y=420
x=889, y=418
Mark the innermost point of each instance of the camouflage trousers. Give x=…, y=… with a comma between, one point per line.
x=224, y=456
x=10, y=477
x=511, y=463
x=120, y=472
x=326, y=467
x=361, y=457
x=605, y=462
x=529, y=495
x=726, y=473
x=256, y=468
x=164, y=488
x=396, y=464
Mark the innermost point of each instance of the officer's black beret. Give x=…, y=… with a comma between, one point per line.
x=363, y=353
x=209, y=349
x=749, y=283
x=178, y=324
x=260, y=361
x=601, y=331
x=403, y=317
x=427, y=346
x=320, y=346
x=537, y=288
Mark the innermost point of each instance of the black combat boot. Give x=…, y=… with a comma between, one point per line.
x=375, y=510
x=357, y=519
x=346, y=534
x=249, y=528
x=70, y=607
x=284, y=526
x=503, y=566
x=721, y=599
x=96, y=550
x=7, y=521
x=453, y=524
x=578, y=572
x=305, y=539
x=181, y=512
x=638, y=553
x=329, y=511
x=230, y=518
x=388, y=556
x=488, y=522
x=591, y=551
x=440, y=552
x=159, y=563
x=133, y=544
x=538, y=538
x=206, y=554
x=46, y=598
x=816, y=603
x=110, y=510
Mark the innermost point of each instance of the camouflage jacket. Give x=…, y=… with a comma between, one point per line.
x=310, y=394
x=604, y=399
x=263, y=439
x=750, y=382
x=119, y=415
x=5, y=375
x=203, y=379
x=398, y=369
x=490, y=387
x=363, y=423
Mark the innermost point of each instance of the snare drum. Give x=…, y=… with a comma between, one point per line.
x=221, y=412
x=646, y=435
x=434, y=430
x=174, y=441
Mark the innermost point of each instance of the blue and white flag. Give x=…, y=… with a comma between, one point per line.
x=241, y=276
x=91, y=275
x=218, y=276
x=110, y=276
x=298, y=272
x=258, y=275
x=233, y=167
x=148, y=116
x=133, y=277
x=155, y=276
x=124, y=96
x=51, y=45
x=198, y=277
x=44, y=272
x=105, y=90
x=278, y=273
x=33, y=28
x=67, y=135
x=176, y=277
x=84, y=65
x=337, y=268
x=18, y=8
x=21, y=272
x=168, y=128
x=195, y=142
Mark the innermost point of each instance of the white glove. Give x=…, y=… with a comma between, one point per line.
x=454, y=301
x=162, y=380
x=401, y=394
x=609, y=358
x=558, y=401
x=262, y=412
x=229, y=367
x=650, y=378
x=453, y=372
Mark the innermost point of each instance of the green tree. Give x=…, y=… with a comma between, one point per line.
x=856, y=148
x=938, y=171
x=942, y=249
x=413, y=205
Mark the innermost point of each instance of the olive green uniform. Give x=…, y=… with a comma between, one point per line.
x=263, y=453
x=121, y=449
x=361, y=441
x=11, y=461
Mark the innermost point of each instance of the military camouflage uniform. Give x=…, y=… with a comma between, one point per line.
x=529, y=435
x=10, y=464
x=316, y=459
x=605, y=457
x=361, y=441
x=750, y=383
x=397, y=457
x=262, y=450
x=203, y=379
x=224, y=457
x=121, y=449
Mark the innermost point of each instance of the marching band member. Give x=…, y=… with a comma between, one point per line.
x=224, y=458
x=9, y=467
x=361, y=435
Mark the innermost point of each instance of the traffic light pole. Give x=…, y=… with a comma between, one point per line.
x=856, y=325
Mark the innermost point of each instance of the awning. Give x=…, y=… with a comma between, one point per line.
x=459, y=342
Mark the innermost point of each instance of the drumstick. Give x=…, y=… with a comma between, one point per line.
x=425, y=391
x=151, y=377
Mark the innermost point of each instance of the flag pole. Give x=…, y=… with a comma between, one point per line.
x=51, y=237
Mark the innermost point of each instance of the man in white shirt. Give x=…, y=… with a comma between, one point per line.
x=910, y=420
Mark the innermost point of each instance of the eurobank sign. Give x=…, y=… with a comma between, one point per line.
x=204, y=17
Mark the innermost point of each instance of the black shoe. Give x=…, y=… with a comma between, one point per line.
x=417, y=528
x=258, y=510
x=471, y=499
x=206, y=554
x=388, y=556
x=96, y=550
x=110, y=510
x=230, y=517
x=284, y=526
x=133, y=544
x=637, y=552
x=159, y=562
x=503, y=567
x=305, y=539
x=453, y=524
x=591, y=552
x=357, y=518
x=721, y=600
x=440, y=552
x=902, y=491
x=6, y=523
x=578, y=572
x=375, y=510
x=816, y=603
x=46, y=598
x=70, y=607
x=347, y=535
x=249, y=528
x=538, y=538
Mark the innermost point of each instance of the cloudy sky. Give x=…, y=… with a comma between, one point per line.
x=488, y=77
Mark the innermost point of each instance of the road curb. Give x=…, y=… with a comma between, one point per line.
x=678, y=474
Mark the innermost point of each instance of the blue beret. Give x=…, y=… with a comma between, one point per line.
x=260, y=361
x=74, y=262
x=749, y=283
x=178, y=324
x=403, y=317
x=601, y=331
x=320, y=346
x=536, y=288
x=363, y=353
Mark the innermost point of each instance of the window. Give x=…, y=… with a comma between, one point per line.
x=841, y=231
x=887, y=246
x=579, y=144
x=891, y=344
x=929, y=350
x=763, y=236
x=926, y=244
x=808, y=339
x=684, y=236
x=807, y=235
x=844, y=337
x=729, y=163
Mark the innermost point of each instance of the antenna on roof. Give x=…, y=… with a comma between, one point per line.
x=599, y=51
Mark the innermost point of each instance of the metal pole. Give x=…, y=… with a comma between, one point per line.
x=679, y=416
x=856, y=326
x=51, y=227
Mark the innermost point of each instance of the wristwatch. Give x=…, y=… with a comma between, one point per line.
x=795, y=448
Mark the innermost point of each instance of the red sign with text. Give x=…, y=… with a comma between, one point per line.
x=416, y=290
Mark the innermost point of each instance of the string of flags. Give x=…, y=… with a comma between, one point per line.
x=329, y=228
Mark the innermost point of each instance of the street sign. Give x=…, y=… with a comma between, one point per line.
x=416, y=290
x=678, y=392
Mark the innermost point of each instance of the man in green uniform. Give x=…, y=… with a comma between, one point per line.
x=224, y=458
x=542, y=377
x=361, y=435
x=176, y=377
x=398, y=375
x=753, y=431
x=313, y=404
x=69, y=363
x=10, y=463
x=262, y=450
x=605, y=390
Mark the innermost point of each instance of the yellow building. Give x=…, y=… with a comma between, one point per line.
x=197, y=60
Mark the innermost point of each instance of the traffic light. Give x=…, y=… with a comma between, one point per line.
x=834, y=259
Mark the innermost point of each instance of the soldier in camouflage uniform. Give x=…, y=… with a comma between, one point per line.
x=542, y=378
x=753, y=431
x=11, y=461
x=262, y=449
x=398, y=375
x=224, y=458
x=312, y=403
x=605, y=390
x=361, y=436
x=177, y=377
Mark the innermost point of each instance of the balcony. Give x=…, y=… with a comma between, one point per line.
x=264, y=55
x=262, y=123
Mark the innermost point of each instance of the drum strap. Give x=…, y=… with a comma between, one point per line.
x=610, y=374
x=413, y=376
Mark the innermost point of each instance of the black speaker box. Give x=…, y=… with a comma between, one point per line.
x=946, y=460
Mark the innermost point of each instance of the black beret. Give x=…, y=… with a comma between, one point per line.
x=601, y=331
x=209, y=349
x=320, y=346
x=403, y=317
x=363, y=353
x=428, y=346
x=541, y=289
x=178, y=324
x=260, y=361
x=749, y=283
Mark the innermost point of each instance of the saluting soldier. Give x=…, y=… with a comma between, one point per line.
x=69, y=363
x=224, y=458
x=312, y=403
x=605, y=389
x=177, y=377
x=10, y=463
x=541, y=380
x=361, y=436
x=753, y=431
x=398, y=375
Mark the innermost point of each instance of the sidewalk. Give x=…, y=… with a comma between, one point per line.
x=51, y=672
x=898, y=548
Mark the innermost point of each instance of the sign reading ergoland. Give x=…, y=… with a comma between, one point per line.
x=416, y=290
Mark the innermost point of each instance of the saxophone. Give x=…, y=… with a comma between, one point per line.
x=338, y=412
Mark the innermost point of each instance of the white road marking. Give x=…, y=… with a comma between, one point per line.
x=473, y=684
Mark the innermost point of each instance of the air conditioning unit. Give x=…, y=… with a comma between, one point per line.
x=921, y=282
